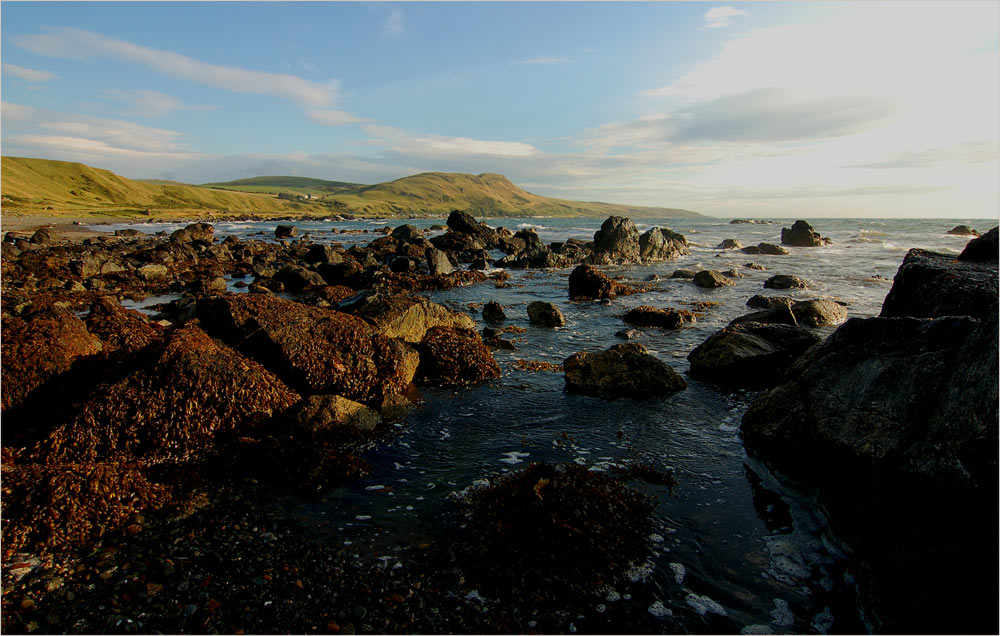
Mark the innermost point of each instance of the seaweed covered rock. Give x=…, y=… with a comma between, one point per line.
x=311, y=349
x=930, y=285
x=547, y=533
x=455, y=357
x=624, y=370
x=586, y=282
x=647, y=316
x=409, y=317
x=59, y=505
x=170, y=406
x=750, y=354
x=38, y=347
x=119, y=328
x=801, y=234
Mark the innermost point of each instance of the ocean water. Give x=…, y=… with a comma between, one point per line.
x=735, y=547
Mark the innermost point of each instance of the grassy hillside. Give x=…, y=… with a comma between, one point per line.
x=57, y=188
x=437, y=193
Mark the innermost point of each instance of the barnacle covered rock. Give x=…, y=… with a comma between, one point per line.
x=455, y=357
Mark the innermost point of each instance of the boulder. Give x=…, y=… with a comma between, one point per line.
x=983, y=248
x=324, y=413
x=588, y=283
x=759, y=301
x=801, y=234
x=321, y=253
x=38, y=347
x=624, y=370
x=128, y=233
x=670, y=318
x=455, y=357
x=296, y=278
x=750, y=354
x=313, y=350
x=153, y=272
x=930, y=285
x=493, y=312
x=770, y=249
x=191, y=388
x=41, y=236
x=195, y=233
x=709, y=279
x=785, y=281
x=286, y=231
x=617, y=241
x=408, y=234
x=437, y=262
x=545, y=314
x=658, y=244
x=729, y=244
x=452, y=241
x=409, y=317
x=963, y=230
x=806, y=313
x=120, y=329
x=684, y=273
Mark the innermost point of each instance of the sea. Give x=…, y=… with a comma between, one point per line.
x=736, y=547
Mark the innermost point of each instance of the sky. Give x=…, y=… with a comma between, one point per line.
x=773, y=109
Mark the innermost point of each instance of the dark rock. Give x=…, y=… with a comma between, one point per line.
x=806, y=313
x=729, y=244
x=709, y=279
x=770, y=249
x=529, y=236
x=208, y=285
x=42, y=236
x=402, y=265
x=930, y=285
x=545, y=314
x=759, y=301
x=493, y=312
x=628, y=334
x=624, y=370
x=286, y=231
x=195, y=233
x=438, y=263
x=801, y=234
x=983, y=248
x=670, y=318
x=320, y=253
x=658, y=244
x=464, y=222
x=785, y=281
x=755, y=266
x=452, y=241
x=296, y=278
x=408, y=234
x=128, y=232
x=617, y=241
x=587, y=283
x=963, y=230
x=480, y=264
x=751, y=249
x=683, y=273
x=455, y=357
x=749, y=354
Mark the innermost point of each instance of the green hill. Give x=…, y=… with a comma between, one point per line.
x=61, y=188
x=437, y=193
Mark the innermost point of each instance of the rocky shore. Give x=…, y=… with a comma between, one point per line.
x=145, y=457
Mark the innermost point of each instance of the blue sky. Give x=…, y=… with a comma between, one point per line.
x=769, y=109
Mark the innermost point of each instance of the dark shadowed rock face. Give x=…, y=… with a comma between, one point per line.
x=801, y=234
x=493, y=312
x=38, y=347
x=313, y=350
x=983, y=248
x=588, y=283
x=455, y=357
x=193, y=387
x=929, y=285
x=545, y=314
x=750, y=354
x=624, y=370
x=617, y=241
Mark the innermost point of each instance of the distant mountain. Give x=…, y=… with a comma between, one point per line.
x=31, y=186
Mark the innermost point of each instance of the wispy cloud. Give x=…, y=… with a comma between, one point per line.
x=437, y=146
x=151, y=103
x=29, y=74
x=333, y=117
x=72, y=43
x=393, y=25
x=721, y=17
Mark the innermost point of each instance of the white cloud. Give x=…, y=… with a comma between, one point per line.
x=82, y=149
x=332, y=117
x=29, y=74
x=721, y=17
x=68, y=42
x=437, y=146
x=393, y=25
x=151, y=103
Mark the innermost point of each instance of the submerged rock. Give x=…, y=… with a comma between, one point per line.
x=624, y=370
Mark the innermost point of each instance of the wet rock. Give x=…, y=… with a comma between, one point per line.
x=409, y=317
x=983, y=248
x=806, y=313
x=195, y=233
x=455, y=357
x=547, y=533
x=119, y=328
x=320, y=253
x=39, y=346
x=658, y=244
x=588, y=283
x=628, y=334
x=402, y=265
x=769, y=249
x=545, y=314
x=963, y=230
x=286, y=231
x=408, y=234
x=684, y=273
x=493, y=312
x=729, y=244
x=670, y=318
x=438, y=263
x=192, y=387
x=295, y=278
x=624, y=370
x=41, y=236
x=801, y=234
x=710, y=279
x=785, y=281
x=930, y=285
x=313, y=350
x=750, y=354
x=320, y=413
x=617, y=241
